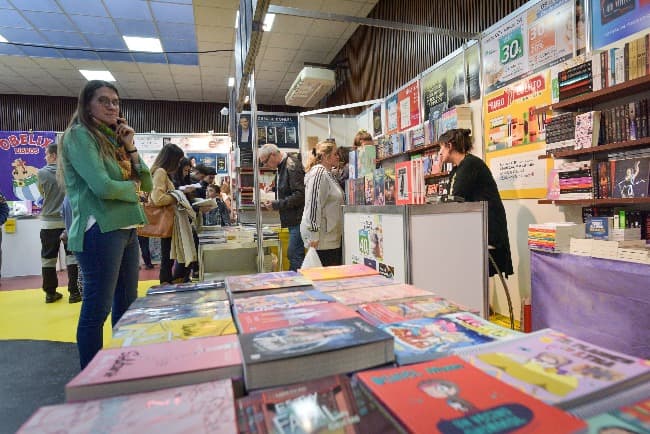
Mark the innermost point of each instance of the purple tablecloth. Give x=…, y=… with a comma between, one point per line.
x=602, y=301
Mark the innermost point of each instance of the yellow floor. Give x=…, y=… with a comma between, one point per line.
x=24, y=315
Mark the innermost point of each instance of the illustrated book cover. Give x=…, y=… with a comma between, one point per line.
x=356, y=296
x=283, y=300
x=559, y=369
x=206, y=408
x=177, y=298
x=633, y=418
x=390, y=311
x=404, y=183
x=189, y=286
x=337, y=272
x=449, y=395
x=352, y=283
x=120, y=371
x=278, y=281
x=213, y=309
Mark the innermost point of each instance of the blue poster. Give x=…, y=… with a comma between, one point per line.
x=22, y=153
x=205, y=159
x=279, y=129
x=613, y=20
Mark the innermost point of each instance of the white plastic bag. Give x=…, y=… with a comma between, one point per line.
x=311, y=259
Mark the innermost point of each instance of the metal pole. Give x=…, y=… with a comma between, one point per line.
x=256, y=169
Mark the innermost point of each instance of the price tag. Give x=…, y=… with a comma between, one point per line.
x=511, y=47
x=364, y=243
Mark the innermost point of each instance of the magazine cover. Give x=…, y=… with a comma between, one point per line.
x=189, y=286
x=284, y=300
x=391, y=311
x=177, y=298
x=379, y=293
x=337, y=272
x=260, y=281
x=215, y=310
x=352, y=283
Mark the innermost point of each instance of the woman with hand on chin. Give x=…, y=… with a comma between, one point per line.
x=103, y=174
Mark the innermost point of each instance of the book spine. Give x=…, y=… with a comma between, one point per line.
x=604, y=69
x=574, y=71
x=626, y=61
x=575, y=92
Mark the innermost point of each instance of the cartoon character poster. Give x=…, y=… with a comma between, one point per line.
x=22, y=153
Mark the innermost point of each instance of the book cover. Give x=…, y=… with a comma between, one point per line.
x=451, y=396
x=403, y=180
x=587, y=129
x=337, y=272
x=250, y=322
x=120, y=371
x=282, y=300
x=631, y=177
x=214, y=309
x=176, y=298
x=389, y=186
x=558, y=368
x=369, y=189
x=378, y=293
x=392, y=311
x=629, y=419
x=184, y=287
x=378, y=181
x=262, y=281
x=200, y=408
x=360, y=191
x=366, y=156
x=352, y=283
x=171, y=330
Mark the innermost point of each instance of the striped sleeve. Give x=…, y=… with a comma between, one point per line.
x=314, y=207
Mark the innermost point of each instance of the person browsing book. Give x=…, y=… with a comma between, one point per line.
x=472, y=180
x=103, y=173
x=322, y=219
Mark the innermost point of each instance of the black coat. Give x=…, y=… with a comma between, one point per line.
x=473, y=181
x=290, y=189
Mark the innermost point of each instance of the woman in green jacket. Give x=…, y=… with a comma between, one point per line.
x=103, y=174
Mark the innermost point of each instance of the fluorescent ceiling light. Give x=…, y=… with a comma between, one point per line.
x=268, y=22
x=3, y=39
x=137, y=43
x=231, y=81
x=97, y=75
x=237, y=20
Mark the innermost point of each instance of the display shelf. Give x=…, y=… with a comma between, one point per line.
x=630, y=144
x=597, y=202
x=436, y=175
x=409, y=152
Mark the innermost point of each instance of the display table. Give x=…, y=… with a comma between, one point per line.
x=231, y=258
x=602, y=301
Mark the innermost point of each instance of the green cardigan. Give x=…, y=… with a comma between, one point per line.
x=95, y=186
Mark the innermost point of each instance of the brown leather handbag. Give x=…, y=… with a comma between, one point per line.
x=160, y=221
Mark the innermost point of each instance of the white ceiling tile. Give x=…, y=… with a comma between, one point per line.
x=210, y=16
x=317, y=44
x=292, y=25
x=215, y=33
x=341, y=7
x=154, y=68
x=25, y=62
x=53, y=63
x=217, y=60
x=284, y=40
x=122, y=66
x=279, y=54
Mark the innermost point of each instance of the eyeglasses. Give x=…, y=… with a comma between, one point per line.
x=107, y=102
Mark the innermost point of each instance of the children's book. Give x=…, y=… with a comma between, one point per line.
x=206, y=408
x=279, y=281
x=283, y=300
x=327, y=405
x=559, y=369
x=171, y=330
x=379, y=293
x=337, y=272
x=305, y=352
x=190, y=286
x=121, y=371
x=423, y=339
x=390, y=311
x=177, y=298
x=213, y=309
x=449, y=395
x=250, y=322
x=352, y=283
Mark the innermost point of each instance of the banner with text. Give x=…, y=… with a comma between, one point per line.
x=408, y=106
x=613, y=20
x=279, y=129
x=518, y=172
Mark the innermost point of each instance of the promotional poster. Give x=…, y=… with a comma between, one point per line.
x=613, y=20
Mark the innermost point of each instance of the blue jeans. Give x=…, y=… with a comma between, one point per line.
x=296, y=248
x=110, y=264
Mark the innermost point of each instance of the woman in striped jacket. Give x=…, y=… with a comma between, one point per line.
x=322, y=219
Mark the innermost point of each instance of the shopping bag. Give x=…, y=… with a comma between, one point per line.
x=311, y=259
x=160, y=221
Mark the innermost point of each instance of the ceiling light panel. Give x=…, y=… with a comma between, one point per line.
x=97, y=75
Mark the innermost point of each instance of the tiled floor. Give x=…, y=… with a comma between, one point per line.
x=33, y=282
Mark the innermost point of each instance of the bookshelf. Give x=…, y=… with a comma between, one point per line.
x=630, y=144
x=436, y=175
x=597, y=202
x=409, y=152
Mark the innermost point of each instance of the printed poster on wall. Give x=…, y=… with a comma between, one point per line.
x=473, y=72
x=518, y=172
x=392, y=124
x=613, y=20
x=22, y=153
x=408, y=106
x=371, y=245
x=443, y=87
x=509, y=113
x=279, y=129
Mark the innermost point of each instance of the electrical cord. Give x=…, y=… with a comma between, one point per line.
x=109, y=50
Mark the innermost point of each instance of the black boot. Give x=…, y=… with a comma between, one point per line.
x=73, y=279
x=50, y=283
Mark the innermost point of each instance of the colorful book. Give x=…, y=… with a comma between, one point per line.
x=267, y=283
x=352, y=283
x=378, y=183
x=251, y=322
x=337, y=272
x=171, y=330
x=633, y=418
x=119, y=371
x=213, y=309
x=587, y=129
x=305, y=352
x=356, y=296
x=404, y=183
x=335, y=405
x=389, y=185
x=184, y=287
x=422, y=339
x=201, y=408
x=177, y=298
x=285, y=300
x=559, y=369
x=451, y=396
x=391, y=311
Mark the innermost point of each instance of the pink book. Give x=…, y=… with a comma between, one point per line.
x=300, y=315
x=379, y=293
x=352, y=282
x=201, y=408
x=119, y=371
x=337, y=272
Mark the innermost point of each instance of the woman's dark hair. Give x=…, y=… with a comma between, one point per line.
x=344, y=155
x=179, y=177
x=168, y=158
x=460, y=139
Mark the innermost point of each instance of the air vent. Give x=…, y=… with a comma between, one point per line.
x=311, y=85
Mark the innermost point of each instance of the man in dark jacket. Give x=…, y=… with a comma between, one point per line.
x=290, y=192
x=4, y=214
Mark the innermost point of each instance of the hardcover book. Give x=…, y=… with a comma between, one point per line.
x=177, y=298
x=403, y=183
x=633, y=418
x=391, y=311
x=201, y=408
x=630, y=177
x=389, y=186
x=121, y=371
x=352, y=283
x=190, y=286
x=451, y=396
x=379, y=293
x=251, y=322
x=559, y=369
x=283, y=300
x=327, y=405
x=214, y=309
x=378, y=181
x=587, y=129
x=305, y=352
x=337, y=272
x=279, y=281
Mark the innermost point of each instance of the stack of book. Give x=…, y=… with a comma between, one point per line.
x=459, y=116
x=576, y=180
x=212, y=235
x=553, y=237
x=560, y=132
x=575, y=81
